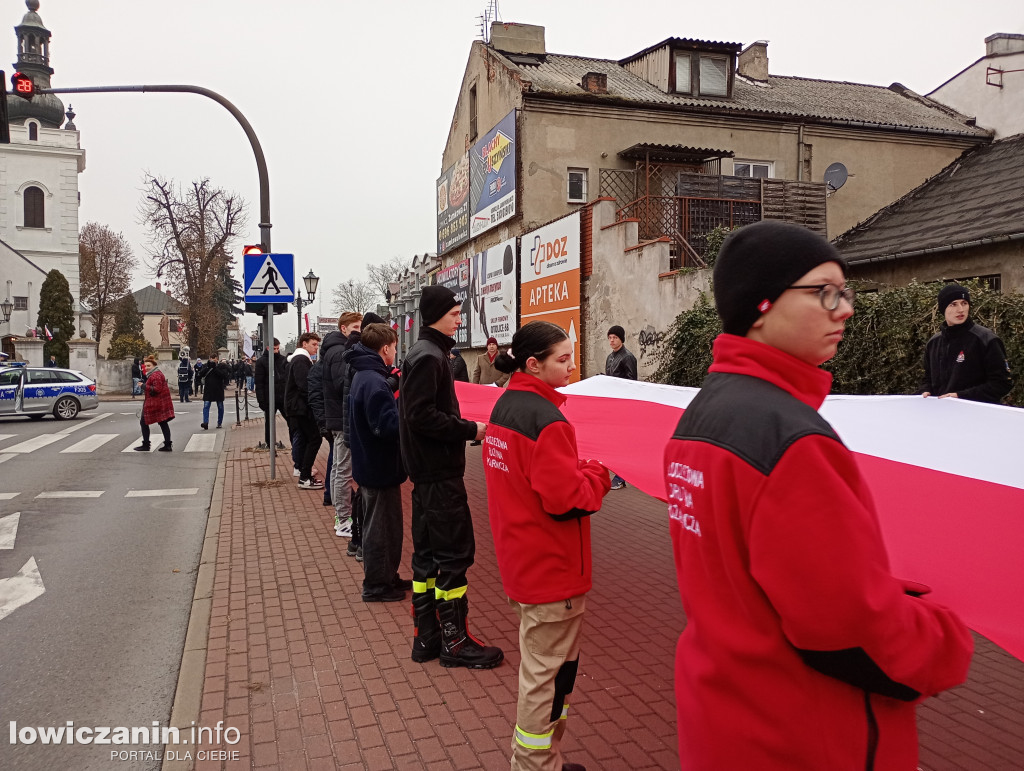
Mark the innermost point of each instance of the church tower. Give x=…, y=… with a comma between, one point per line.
x=38, y=185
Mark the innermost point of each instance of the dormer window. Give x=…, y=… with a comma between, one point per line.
x=33, y=131
x=701, y=74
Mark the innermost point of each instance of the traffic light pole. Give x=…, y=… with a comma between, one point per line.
x=264, y=177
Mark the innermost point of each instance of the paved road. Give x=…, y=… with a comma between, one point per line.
x=114, y=537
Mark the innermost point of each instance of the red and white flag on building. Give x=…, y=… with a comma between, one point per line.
x=49, y=334
x=408, y=323
x=394, y=324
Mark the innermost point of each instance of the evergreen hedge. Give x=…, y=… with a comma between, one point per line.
x=883, y=349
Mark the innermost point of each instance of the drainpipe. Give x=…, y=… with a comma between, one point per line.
x=800, y=154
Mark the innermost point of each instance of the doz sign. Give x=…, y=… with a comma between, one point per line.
x=550, y=277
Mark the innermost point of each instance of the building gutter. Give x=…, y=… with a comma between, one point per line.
x=939, y=249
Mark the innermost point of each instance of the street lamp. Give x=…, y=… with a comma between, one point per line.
x=311, y=281
x=6, y=307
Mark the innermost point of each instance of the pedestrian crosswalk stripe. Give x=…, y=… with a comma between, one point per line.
x=153, y=446
x=8, y=496
x=5, y=458
x=90, y=443
x=71, y=494
x=158, y=493
x=201, y=443
x=9, y=530
x=35, y=443
x=6, y=436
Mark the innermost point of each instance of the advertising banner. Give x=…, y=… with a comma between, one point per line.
x=453, y=206
x=550, y=278
x=492, y=163
x=493, y=294
x=456, y=278
x=325, y=325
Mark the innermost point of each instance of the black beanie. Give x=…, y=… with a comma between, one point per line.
x=757, y=263
x=951, y=292
x=372, y=318
x=435, y=302
x=618, y=331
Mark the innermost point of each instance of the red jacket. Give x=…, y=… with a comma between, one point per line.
x=158, y=406
x=539, y=494
x=801, y=650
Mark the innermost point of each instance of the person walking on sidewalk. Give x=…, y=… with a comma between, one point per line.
x=377, y=461
x=216, y=376
x=185, y=374
x=136, y=377
x=335, y=411
x=158, y=406
x=433, y=438
x=540, y=497
x=296, y=407
x=261, y=374
x=620, y=363
x=801, y=649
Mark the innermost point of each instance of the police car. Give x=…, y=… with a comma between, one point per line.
x=38, y=391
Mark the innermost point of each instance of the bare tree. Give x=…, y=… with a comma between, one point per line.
x=387, y=272
x=359, y=296
x=191, y=232
x=105, y=267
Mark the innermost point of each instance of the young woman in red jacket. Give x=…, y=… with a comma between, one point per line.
x=540, y=496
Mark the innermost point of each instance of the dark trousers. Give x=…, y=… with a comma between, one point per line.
x=382, y=537
x=305, y=426
x=266, y=423
x=298, y=440
x=327, y=473
x=184, y=391
x=164, y=426
x=442, y=535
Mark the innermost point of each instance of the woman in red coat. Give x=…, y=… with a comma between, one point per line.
x=158, y=407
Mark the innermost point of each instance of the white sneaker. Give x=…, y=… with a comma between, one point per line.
x=344, y=530
x=296, y=472
x=311, y=484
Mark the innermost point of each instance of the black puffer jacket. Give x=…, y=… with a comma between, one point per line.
x=216, y=375
x=433, y=433
x=296, y=387
x=315, y=393
x=968, y=360
x=336, y=376
x=261, y=376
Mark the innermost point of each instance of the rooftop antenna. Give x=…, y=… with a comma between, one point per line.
x=490, y=14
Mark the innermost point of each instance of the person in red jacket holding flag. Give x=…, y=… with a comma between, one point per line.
x=801, y=650
x=540, y=497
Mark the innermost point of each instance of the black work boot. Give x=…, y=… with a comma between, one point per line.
x=165, y=447
x=459, y=648
x=144, y=447
x=426, y=645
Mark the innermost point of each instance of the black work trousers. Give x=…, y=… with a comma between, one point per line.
x=306, y=426
x=382, y=537
x=442, y=536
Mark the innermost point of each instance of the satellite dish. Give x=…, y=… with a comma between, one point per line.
x=835, y=176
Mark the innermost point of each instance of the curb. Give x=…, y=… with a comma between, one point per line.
x=189, y=691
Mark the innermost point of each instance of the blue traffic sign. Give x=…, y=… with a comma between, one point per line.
x=269, y=278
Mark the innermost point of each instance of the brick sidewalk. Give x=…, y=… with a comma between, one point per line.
x=313, y=678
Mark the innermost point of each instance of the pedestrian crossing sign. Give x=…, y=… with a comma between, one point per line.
x=269, y=278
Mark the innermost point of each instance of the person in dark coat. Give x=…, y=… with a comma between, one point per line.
x=296, y=407
x=136, y=377
x=185, y=375
x=216, y=376
x=52, y=362
x=261, y=375
x=433, y=440
x=459, y=369
x=620, y=363
x=197, y=385
x=964, y=360
x=315, y=391
x=158, y=407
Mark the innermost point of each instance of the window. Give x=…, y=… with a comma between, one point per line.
x=714, y=76
x=34, y=217
x=174, y=325
x=472, y=113
x=993, y=281
x=11, y=377
x=752, y=169
x=69, y=377
x=577, y=185
x=20, y=303
x=33, y=131
x=683, y=85
x=42, y=376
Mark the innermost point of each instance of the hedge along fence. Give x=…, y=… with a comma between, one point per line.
x=883, y=349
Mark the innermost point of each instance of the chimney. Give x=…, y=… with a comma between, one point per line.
x=158, y=286
x=1004, y=43
x=753, y=61
x=517, y=38
x=595, y=83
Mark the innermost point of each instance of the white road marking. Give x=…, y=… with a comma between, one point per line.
x=35, y=443
x=201, y=443
x=6, y=436
x=90, y=443
x=9, y=530
x=5, y=458
x=20, y=589
x=156, y=493
x=153, y=446
x=86, y=420
x=71, y=494
x=8, y=496
x=132, y=413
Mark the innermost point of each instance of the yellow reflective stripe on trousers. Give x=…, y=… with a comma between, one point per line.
x=420, y=587
x=534, y=741
x=565, y=711
x=450, y=594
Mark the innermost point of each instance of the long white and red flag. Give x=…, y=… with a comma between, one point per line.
x=947, y=478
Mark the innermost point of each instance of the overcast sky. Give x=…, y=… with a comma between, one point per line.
x=352, y=100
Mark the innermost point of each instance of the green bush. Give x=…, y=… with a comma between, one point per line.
x=128, y=347
x=883, y=349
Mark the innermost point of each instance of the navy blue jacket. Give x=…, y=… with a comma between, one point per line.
x=373, y=421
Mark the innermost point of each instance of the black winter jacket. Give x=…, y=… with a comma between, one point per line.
x=621, y=363
x=968, y=360
x=433, y=433
x=215, y=376
x=185, y=373
x=315, y=393
x=296, y=393
x=261, y=375
x=459, y=369
x=373, y=421
x=335, y=375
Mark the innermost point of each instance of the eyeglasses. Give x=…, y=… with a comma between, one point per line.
x=829, y=294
